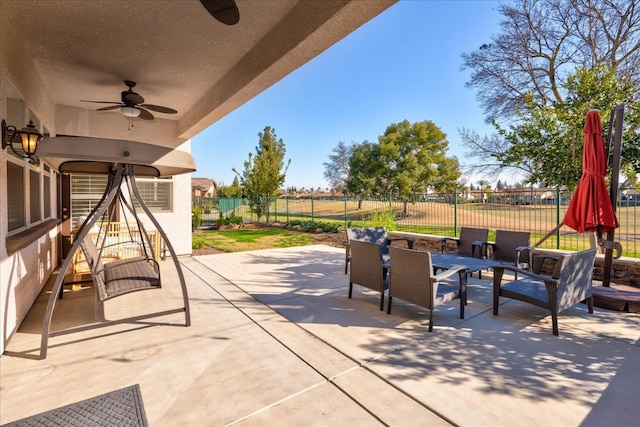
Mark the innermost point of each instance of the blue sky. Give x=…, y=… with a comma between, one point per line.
x=403, y=64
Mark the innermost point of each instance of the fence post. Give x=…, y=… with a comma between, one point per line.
x=345, y=213
x=455, y=214
x=558, y=201
x=275, y=207
x=287, y=205
x=312, y=220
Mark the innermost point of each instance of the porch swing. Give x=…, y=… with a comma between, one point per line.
x=132, y=273
x=122, y=161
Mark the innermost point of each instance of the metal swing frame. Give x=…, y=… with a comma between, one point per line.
x=120, y=173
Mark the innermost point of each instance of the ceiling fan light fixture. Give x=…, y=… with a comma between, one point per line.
x=130, y=111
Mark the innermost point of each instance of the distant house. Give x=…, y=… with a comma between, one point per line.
x=628, y=191
x=203, y=187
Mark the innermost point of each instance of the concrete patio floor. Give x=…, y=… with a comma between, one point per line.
x=275, y=341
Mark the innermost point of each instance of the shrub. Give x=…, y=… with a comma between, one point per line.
x=384, y=219
x=196, y=218
x=232, y=219
x=313, y=226
x=198, y=243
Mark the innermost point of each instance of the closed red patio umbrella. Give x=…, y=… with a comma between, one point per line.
x=590, y=208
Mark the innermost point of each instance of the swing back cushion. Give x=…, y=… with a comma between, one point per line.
x=122, y=276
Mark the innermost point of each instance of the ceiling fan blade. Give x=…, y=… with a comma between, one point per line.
x=159, y=109
x=144, y=114
x=111, y=107
x=101, y=102
x=224, y=11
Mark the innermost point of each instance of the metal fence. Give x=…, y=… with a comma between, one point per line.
x=535, y=210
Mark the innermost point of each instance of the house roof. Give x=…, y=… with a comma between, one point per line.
x=179, y=55
x=203, y=183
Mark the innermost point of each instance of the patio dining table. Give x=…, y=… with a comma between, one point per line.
x=472, y=264
x=445, y=261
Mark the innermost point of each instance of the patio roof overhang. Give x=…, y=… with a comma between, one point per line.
x=57, y=53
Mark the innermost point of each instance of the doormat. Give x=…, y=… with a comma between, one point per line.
x=118, y=408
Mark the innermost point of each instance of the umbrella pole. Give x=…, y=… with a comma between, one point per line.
x=618, y=112
x=549, y=234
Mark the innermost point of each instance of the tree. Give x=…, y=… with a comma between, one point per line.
x=484, y=187
x=549, y=140
x=552, y=61
x=263, y=174
x=233, y=190
x=336, y=170
x=542, y=41
x=408, y=159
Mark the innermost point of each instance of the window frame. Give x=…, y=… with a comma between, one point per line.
x=43, y=214
x=141, y=182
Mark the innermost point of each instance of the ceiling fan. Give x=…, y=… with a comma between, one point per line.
x=224, y=11
x=132, y=104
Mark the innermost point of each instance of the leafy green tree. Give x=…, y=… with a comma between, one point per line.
x=364, y=165
x=263, y=174
x=408, y=159
x=233, y=190
x=547, y=142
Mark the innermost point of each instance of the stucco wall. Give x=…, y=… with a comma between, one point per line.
x=24, y=272
x=23, y=275
x=177, y=224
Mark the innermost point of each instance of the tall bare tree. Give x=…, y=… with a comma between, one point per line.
x=336, y=170
x=542, y=42
x=552, y=61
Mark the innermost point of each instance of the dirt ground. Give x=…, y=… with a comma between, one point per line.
x=337, y=240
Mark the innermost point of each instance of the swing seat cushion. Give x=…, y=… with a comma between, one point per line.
x=119, y=277
x=128, y=275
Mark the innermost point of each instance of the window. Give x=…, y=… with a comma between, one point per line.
x=16, y=199
x=28, y=194
x=157, y=193
x=28, y=184
x=34, y=196
x=46, y=187
x=86, y=192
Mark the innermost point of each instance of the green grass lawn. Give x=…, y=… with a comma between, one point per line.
x=247, y=240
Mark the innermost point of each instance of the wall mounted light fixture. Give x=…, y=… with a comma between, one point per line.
x=29, y=136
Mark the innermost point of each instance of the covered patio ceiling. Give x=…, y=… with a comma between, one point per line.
x=179, y=55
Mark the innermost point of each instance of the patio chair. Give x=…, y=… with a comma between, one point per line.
x=377, y=235
x=411, y=279
x=471, y=240
x=570, y=284
x=512, y=247
x=368, y=268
